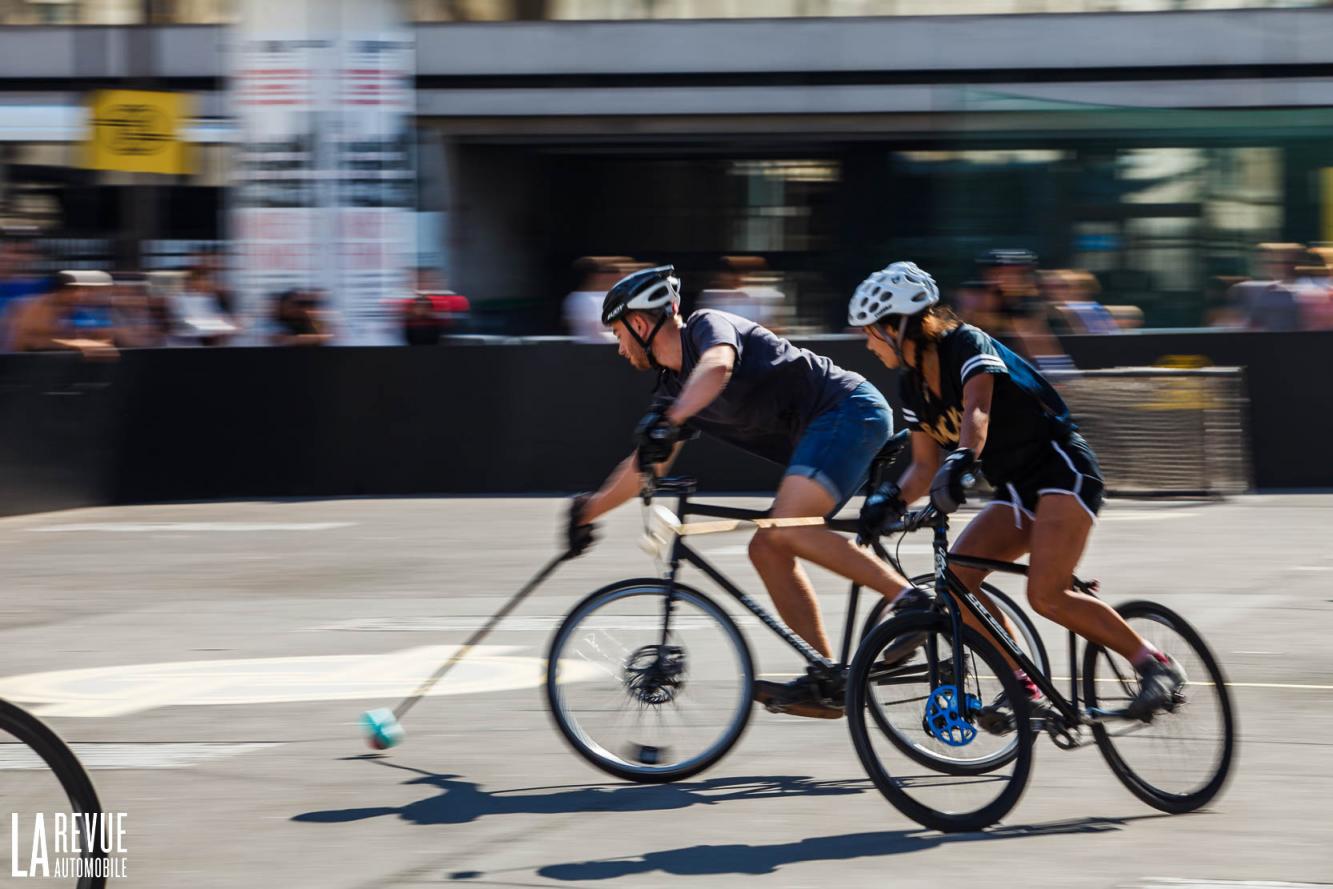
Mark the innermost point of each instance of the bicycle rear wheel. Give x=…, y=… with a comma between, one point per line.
x=643, y=705
x=921, y=745
x=1180, y=760
x=40, y=775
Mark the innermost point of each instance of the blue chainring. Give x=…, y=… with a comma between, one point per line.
x=943, y=720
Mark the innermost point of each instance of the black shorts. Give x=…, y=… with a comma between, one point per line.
x=1071, y=469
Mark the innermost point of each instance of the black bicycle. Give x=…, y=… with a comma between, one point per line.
x=42, y=776
x=650, y=680
x=1176, y=761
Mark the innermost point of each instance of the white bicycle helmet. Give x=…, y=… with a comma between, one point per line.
x=656, y=289
x=898, y=289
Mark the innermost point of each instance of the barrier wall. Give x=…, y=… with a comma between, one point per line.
x=470, y=418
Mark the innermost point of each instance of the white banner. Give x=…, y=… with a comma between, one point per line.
x=325, y=183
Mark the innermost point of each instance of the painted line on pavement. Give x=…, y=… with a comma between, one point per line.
x=1281, y=685
x=1194, y=883
x=202, y=527
x=135, y=688
x=109, y=756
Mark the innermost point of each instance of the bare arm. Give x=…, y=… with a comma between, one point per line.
x=622, y=485
x=704, y=384
x=977, y=394
x=915, y=482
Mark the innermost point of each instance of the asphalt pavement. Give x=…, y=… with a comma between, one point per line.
x=209, y=662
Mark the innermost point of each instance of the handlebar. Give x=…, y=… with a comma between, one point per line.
x=668, y=484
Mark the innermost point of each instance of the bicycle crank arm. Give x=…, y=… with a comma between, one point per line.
x=1099, y=716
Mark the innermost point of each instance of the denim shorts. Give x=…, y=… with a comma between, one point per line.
x=839, y=444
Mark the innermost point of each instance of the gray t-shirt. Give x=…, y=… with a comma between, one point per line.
x=775, y=389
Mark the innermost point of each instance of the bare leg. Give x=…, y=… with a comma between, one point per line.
x=1058, y=538
x=991, y=535
x=774, y=552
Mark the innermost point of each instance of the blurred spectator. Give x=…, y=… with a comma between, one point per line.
x=1126, y=317
x=19, y=274
x=1012, y=274
x=427, y=279
x=744, y=286
x=1221, y=302
x=20, y=278
x=75, y=315
x=1314, y=291
x=212, y=263
x=1072, y=295
x=978, y=303
x=421, y=327
x=198, y=311
x=299, y=319
x=1269, y=302
x=132, y=311
x=582, y=308
x=1022, y=311
x=449, y=312
x=163, y=287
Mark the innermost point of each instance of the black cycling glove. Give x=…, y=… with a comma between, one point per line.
x=579, y=536
x=882, y=508
x=948, y=489
x=655, y=437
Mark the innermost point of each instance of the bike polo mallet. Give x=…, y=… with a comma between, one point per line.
x=384, y=728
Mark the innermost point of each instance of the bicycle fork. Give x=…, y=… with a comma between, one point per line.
x=940, y=545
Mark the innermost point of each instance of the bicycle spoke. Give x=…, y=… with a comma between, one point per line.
x=919, y=743
x=1180, y=759
x=649, y=708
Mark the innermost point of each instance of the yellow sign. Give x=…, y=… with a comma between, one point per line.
x=137, y=131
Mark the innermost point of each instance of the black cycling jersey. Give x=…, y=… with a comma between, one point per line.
x=775, y=390
x=1026, y=413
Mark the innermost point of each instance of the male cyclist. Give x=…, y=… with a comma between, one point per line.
x=965, y=392
x=743, y=384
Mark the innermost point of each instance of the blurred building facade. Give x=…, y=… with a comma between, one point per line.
x=1151, y=142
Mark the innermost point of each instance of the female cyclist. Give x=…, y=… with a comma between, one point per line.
x=964, y=392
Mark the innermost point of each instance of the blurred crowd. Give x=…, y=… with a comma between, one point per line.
x=1291, y=290
x=98, y=314
x=1008, y=294
x=741, y=285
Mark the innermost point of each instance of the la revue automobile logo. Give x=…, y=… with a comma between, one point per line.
x=68, y=845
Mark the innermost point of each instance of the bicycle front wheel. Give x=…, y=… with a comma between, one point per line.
x=649, y=682
x=43, y=777
x=1180, y=760
x=921, y=745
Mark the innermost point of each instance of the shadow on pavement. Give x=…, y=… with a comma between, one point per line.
x=739, y=858
x=460, y=802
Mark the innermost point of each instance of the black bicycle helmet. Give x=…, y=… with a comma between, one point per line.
x=650, y=290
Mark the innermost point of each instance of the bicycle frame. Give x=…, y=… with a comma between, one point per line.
x=948, y=588
x=952, y=590
x=681, y=552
